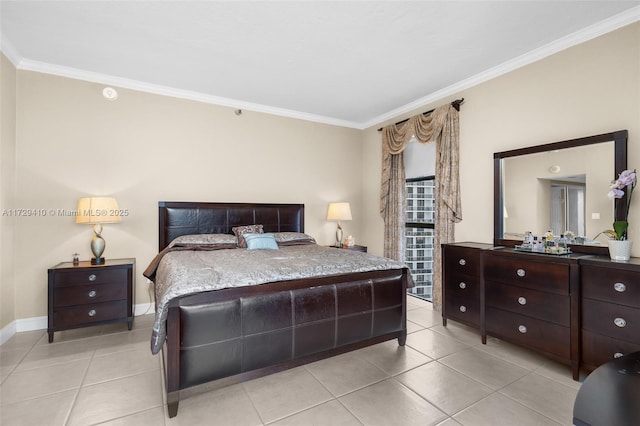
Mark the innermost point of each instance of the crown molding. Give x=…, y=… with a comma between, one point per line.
x=603, y=27
x=9, y=51
x=78, y=74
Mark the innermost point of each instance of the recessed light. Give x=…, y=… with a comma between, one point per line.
x=110, y=93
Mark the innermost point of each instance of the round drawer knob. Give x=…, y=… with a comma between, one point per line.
x=620, y=322
x=463, y=285
x=462, y=262
x=92, y=313
x=619, y=287
x=463, y=308
x=522, y=329
x=93, y=293
x=522, y=300
x=521, y=272
x=92, y=277
x=618, y=354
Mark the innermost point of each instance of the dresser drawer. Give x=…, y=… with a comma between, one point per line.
x=462, y=307
x=461, y=261
x=93, y=293
x=611, y=285
x=93, y=312
x=90, y=276
x=544, y=276
x=598, y=349
x=616, y=321
x=537, y=304
x=527, y=331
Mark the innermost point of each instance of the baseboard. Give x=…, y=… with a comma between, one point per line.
x=40, y=323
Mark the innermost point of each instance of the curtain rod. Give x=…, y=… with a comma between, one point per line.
x=456, y=104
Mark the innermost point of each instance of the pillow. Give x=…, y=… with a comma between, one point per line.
x=205, y=239
x=261, y=242
x=240, y=231
x=293, y=238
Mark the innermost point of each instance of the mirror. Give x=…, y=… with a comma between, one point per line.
x=558, y=186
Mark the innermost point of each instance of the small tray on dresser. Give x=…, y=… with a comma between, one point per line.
x=565, y=252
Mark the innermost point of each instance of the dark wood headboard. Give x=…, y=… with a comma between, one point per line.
x=183, y=218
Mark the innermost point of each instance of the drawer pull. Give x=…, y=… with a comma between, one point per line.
x=619, y=287
x=463, y=308
x=522, y=300
x=92, y=277
x=92, y=294
x=522, y=329
x=463, y=285
x=620, y=322
x=462, y=262
x=521, y=272
x=618, y=355
x=92, y=313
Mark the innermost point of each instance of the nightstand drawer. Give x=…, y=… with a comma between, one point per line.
x=76, y=295
x=542, y=335
x=537, y=304
x=93, y=312
x=90, y=276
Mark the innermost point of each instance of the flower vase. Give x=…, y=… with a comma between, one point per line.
x=620, y=250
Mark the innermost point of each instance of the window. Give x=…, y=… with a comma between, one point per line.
x=419, y=234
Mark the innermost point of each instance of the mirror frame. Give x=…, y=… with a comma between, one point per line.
x=620, y=163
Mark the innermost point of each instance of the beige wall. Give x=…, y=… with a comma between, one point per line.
x=588, y=89
x=7, y=187
x=144, y=148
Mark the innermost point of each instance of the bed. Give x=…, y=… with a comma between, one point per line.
x=233, y=334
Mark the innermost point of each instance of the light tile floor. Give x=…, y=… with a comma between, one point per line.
x=443, y=376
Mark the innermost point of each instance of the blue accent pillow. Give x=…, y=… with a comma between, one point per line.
x=261, y=241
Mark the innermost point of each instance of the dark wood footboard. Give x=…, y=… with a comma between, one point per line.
x=242, y=333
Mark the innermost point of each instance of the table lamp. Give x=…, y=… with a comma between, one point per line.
x=338, y=212
x=96, y=211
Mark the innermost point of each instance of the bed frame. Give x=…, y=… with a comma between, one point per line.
x=238, y=334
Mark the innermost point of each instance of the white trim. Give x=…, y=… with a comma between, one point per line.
x=615, y=22
x=40, y=323
x=7, y=331
x=78, y=74
x=9, y=51
x=144, y=309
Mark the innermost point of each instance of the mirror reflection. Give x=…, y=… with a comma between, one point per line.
x=558, y=188
x=559, y=191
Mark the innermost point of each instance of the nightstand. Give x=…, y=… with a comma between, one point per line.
x=84, y=295
x=353, y=248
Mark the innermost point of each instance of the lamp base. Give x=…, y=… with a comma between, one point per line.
x=98, y=260
x=339, y=236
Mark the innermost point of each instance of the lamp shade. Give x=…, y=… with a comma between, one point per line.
x=339, y=211
x=93, y=210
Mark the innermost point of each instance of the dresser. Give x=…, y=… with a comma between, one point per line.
x=564, y=307
x=610, y=309
x=83, y=295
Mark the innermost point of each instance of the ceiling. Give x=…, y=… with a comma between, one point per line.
x=349, y=63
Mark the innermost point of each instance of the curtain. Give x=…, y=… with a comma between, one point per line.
x=442, y=128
